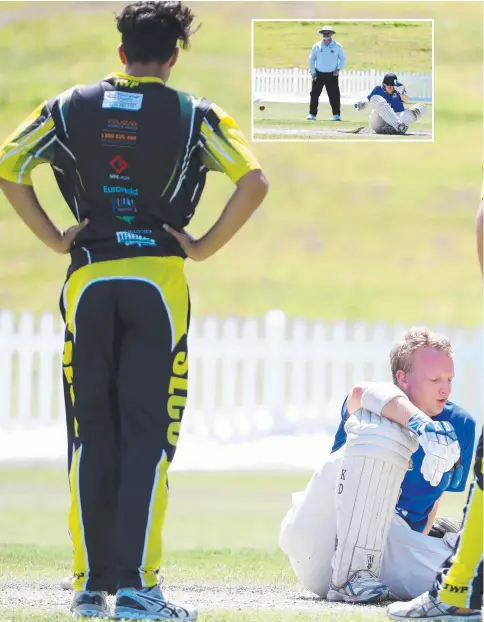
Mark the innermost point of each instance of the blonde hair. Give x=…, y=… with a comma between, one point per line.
x=416, y=338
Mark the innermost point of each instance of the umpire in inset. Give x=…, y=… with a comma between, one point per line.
x=326, y=60
x=130, y=156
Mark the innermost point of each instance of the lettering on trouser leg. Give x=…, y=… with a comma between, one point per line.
x=342, y=479
x=177, y=400
x=69, y=376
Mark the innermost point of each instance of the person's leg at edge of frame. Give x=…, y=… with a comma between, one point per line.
x=458, y=588
x=152, y=392
x=459, y=583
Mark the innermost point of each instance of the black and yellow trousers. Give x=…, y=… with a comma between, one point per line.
x=459, y=582
x=125, y=365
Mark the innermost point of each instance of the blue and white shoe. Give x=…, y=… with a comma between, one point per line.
x=362, y=587
x=425, y=607
x=336, y=117
x=90, y=605
x=149, y=604
x=311, y=117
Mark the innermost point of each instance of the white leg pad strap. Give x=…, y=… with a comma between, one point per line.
x=414, y=113
x=376, y=458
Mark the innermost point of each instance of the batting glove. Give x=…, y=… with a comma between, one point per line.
x=441, y=447
x=360, y=105
x=400, y=88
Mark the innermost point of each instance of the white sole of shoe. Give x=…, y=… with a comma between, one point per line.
x=337, y=597
x=138, y=615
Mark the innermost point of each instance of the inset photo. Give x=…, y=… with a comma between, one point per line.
x=342, y=80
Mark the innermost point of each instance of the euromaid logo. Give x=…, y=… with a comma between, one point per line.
x=132, y=192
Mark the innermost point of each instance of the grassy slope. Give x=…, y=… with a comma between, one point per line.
x=390, y=46
x=370, y=231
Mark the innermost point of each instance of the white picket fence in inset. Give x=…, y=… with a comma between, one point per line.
x=294, y=85
x=248, y=378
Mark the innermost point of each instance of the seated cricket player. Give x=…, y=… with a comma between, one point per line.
x=457, y=591
x=388, y=113
x=359, y=531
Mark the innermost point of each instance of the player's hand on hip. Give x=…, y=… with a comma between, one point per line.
x=336, y=73
x=440, y=445
x=188, y=243
x=67, y=237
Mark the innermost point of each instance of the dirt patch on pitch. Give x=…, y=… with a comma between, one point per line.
x=315, y=133
x=47, y=597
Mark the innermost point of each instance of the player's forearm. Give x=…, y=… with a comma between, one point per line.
x=398, y=408
x=251, y=191
x=480, y=234
x=404, y=97
x=24, y=201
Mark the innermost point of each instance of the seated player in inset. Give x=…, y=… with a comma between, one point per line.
x=388, y=113
x=359, y=532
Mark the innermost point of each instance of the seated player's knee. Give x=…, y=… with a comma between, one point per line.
x=373, y=435
x=377, y=102
x=354, y=398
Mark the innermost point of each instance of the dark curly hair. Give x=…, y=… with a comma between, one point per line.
x=151, y=30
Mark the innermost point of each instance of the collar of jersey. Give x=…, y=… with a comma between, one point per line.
x=126, y=76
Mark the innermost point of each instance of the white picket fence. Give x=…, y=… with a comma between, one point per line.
x=294, y=85
x=249, y=377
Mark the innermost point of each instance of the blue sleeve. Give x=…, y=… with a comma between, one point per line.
x=467, y=451
x=344, y=410
x=372, y=93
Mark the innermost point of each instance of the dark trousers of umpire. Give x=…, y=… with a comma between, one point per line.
x=125, y=378
x=331, y=83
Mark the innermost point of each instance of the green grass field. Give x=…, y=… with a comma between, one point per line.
x=370, y=231
x=280, y=121
x=385, y=46
x=221, y=531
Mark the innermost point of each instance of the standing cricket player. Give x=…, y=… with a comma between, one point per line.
x=358, y=532
x=388, y=113
x=130, y=156
x=458, y=587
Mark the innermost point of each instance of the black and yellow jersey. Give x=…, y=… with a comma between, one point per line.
x=130, y=154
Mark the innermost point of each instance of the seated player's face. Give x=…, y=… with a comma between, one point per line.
x=389, y=89
x=429, y=381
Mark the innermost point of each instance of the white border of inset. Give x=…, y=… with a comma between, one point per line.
x=340, y=140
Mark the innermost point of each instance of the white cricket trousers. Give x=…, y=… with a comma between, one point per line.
x=308, y=536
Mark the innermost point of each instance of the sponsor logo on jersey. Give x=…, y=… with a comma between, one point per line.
x=118, y=164
x=122, y=101
x=135, y=238
x=132, y=192
x=123, y=124
x=124, y=209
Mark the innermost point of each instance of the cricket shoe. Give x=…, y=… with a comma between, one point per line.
x=426, y=607
x=362, y=587
x=311, y=117
x=90, y=605
x=149, y=604
x=336, y=117
x=402, y=128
